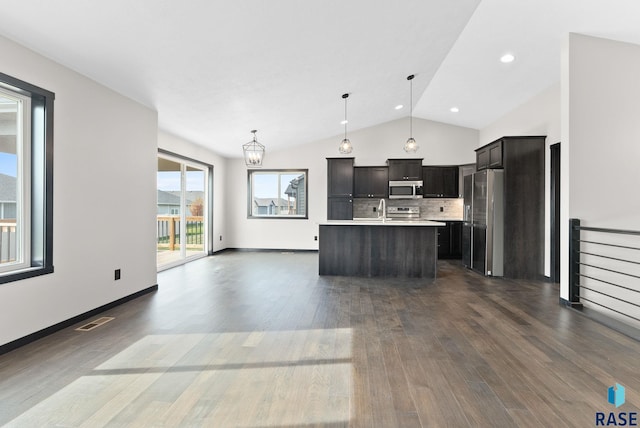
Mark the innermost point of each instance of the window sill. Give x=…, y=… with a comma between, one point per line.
x=25, y=273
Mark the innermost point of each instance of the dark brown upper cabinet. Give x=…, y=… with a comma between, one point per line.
x=371, y=182
x=490, y=156
x=405, y=169
x=440, y=182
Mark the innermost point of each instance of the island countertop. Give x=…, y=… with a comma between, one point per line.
x=387, y=222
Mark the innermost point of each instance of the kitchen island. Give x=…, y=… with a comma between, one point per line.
x=376, y=248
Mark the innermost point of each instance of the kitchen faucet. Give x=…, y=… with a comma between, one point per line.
x=382, y=206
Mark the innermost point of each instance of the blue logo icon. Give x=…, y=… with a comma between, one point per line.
x=616, y=395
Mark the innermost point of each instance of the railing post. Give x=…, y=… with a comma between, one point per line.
x=172, y=233
x=574, y=262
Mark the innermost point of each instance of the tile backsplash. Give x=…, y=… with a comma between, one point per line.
x=430, y=208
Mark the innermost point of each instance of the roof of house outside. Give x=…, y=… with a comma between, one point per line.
x=293, y=185
x=167, y=198
x=191, y=195
x=263, y=202
x=7, y=188
x=172, y=197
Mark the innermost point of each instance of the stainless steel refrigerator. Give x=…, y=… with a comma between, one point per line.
x=467, y=220
x=483, y=226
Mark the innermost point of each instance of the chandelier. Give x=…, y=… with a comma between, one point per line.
x=253, y=152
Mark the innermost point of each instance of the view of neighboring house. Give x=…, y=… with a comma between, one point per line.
x=7, y=197
x=169, y=201
x=7, y=218
x=296, y=193
x=271, y=206
x=293, y=204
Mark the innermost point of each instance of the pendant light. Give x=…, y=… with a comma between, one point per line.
x=345, y=146
x=410, y=146
x=253, y=152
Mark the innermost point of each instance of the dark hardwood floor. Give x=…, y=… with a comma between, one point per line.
x=260, y=340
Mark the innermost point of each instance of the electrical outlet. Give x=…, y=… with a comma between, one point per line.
x=315, y=238
x=375, y=209
x=441, y=209
x=116, y=274
x=221, y=237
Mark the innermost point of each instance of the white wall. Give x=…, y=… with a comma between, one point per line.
x=104, y=159
x=538, y=116
x=182, y=147
x=440, y=144
x=602, y=131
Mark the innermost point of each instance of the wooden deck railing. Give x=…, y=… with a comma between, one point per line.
x=168, y=234
x=169, y=231
x=7, y=240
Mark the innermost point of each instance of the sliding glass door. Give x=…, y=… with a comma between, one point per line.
x=182, y=212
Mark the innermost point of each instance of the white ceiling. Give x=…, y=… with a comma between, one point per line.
x=216, y=69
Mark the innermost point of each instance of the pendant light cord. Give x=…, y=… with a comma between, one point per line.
x=410, y=78
x=345, y=96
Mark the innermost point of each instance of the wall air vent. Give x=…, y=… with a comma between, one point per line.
x=94, y=324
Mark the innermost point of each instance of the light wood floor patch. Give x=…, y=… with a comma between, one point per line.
x=171, y=374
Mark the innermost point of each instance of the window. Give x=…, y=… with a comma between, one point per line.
x=26, y=180
x=277, y=194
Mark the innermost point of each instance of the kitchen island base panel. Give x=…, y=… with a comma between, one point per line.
x=374, y=251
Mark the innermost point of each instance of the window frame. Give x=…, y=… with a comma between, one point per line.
x=250, y=174
x=39, y=178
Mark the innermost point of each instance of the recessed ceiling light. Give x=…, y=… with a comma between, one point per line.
x=399, y=106
x=507, y=58
x=454, y=109
x=344, y=122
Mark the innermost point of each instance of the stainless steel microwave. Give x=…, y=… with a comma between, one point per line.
x=405, y=189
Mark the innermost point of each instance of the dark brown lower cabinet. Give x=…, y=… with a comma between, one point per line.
x=450, y=240
x=378, y=250
x=339, y=208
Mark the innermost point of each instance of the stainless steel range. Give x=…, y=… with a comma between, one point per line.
x=404, y=213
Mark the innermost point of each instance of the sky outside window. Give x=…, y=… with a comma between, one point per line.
x=169, y=181
x=8, y=125
x=8, y=164
x=266, y=185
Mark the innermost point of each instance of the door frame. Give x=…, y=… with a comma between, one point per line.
x=554, y=215
x=208, y=212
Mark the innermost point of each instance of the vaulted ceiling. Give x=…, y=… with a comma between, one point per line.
x=216, y=69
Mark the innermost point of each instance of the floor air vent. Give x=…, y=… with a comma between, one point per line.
x=95, y=323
